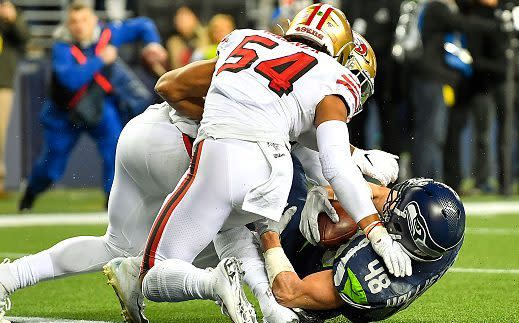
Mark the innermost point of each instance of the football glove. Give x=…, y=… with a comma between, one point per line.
x=263, y=225
x=316, y=202
x=396, y=260
x=377, y=164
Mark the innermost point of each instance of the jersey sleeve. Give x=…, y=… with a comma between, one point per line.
x=347, y=86
x=229, y=42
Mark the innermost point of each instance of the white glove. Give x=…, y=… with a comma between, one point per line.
x=397, y=261
x=316, y=202
x=263, y=225
x=377, y=164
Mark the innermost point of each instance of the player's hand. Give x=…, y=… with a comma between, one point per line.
x=377, y=164
x=396, y=260
x=109, y=54
x=263, y=225
x=316, y=202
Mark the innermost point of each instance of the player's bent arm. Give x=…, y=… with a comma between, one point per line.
x=314, y=292
x=193, y=108
x=190, y=81
x=349, y=185
x=337, y=165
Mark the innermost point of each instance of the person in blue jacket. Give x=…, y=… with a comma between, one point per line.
x=82, y=95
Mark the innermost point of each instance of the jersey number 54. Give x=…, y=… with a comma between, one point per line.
x=281, y=72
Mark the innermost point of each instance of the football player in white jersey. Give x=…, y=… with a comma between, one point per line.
x=265, y=90
x=151, y=158
x=153, y=152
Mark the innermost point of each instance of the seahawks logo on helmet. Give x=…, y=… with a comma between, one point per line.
x=420, y=234
x=416, y=222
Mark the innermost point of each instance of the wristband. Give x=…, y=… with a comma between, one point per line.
x=372, y=225
x=276, y=262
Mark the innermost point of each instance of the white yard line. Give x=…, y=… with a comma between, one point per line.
x=17, y=319
x=478, y=209
x=491, y=208
x=492, y=231
x=483, y=270
x=19, y=220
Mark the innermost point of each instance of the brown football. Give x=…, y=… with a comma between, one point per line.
x=335, y=234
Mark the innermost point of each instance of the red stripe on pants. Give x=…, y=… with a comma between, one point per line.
x=162, y=219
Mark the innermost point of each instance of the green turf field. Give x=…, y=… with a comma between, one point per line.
x=492, y=242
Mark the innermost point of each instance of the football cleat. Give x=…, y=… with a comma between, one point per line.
x=229, y=292
x=276, y=313
x=5, y=301
x=123, y=276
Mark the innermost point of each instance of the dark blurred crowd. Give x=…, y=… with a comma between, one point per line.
x=445, y=88
x=444, y=91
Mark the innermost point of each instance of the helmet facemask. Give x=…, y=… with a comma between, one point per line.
x=363, y=64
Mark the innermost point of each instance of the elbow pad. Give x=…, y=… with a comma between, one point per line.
x=341, y=172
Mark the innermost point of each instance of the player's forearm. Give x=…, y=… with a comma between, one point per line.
x=192, y=108
x=341, y=172
x=315, y=292
x=380, y=194
x=190, y=81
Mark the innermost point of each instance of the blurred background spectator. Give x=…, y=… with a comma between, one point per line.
x=88, y=87
x=376, y=20
x=188, y=35
x=446, y=104
x=13, y=36
x=477, y=98
x=445, y=61
x=219, y=26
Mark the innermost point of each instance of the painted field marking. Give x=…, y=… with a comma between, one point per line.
x=9, y=221
x=483, y=270
x=492, y=231
x=21, y=319
x=491, y=208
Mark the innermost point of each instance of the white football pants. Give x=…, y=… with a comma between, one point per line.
x=221, y=173
x=151, y=158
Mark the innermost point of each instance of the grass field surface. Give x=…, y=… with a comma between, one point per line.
x=482, y=287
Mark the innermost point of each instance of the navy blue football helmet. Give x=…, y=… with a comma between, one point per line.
x=426, y=217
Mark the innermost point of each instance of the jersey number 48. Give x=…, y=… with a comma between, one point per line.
x=282, y=72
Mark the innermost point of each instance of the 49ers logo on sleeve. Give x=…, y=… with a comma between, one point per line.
x=282, y=72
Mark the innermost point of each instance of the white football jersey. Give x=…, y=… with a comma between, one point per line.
x=266, y=88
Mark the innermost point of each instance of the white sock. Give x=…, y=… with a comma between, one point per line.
x=29, y=270
x=175, y=280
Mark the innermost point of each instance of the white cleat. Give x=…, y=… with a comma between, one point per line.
x=228, y=288
x=5, y=301
x=276, y=313
x=123, y=276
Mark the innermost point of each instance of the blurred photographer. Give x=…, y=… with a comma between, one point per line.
x=444, y=62
x=507, y=102
x=376, y=20
x=13, y=36
x=478, y=99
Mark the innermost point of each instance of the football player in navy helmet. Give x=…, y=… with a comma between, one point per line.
x=426, y=217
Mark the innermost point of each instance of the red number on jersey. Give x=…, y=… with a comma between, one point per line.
x=282, y=72
x=247, y=56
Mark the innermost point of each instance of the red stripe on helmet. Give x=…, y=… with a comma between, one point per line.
x=312, y=15
x=324, y=17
